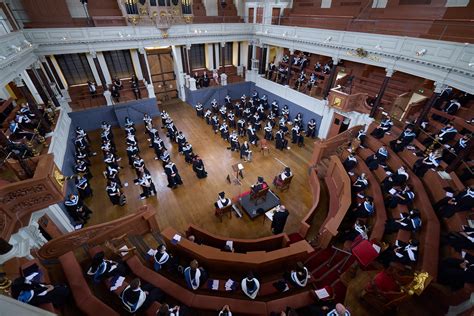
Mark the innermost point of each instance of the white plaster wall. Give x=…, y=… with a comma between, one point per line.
x=211, y=7
x=76, y=9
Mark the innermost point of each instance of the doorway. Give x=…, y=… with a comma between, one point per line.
x=339, y=124
x=162, y=73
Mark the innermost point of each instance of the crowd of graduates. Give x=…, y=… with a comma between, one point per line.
x=248, y=116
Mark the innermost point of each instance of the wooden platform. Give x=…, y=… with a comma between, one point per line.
x=192, y=203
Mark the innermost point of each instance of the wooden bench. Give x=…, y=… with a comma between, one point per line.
x=85, y=300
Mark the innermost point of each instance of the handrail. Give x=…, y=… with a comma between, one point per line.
x=140, y=222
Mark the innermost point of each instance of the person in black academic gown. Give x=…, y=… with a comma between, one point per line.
x=279, y=220
x=35, y=293
x=134, y=297
x=198, y=167
x=102, y=268
x=172, y=174
x=455, y=272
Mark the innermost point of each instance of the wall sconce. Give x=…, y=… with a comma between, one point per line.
x=120, y=34
x=328, y=39
x=421, y=52
x=378, y=47
x=16, y=48
x=2, y=57
x=470, y=64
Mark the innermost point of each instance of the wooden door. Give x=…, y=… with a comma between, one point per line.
x=276, y=16
x=259, y=15
x=251, y=15
x=336, y=125
x=162, y=73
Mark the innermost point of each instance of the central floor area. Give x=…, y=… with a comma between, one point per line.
x=193, y=202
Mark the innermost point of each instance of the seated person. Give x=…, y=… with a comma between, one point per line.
x=222, y=201
x=394, y=179
x=359, y=229
x=250, y=286
x=225, y=311
x=35, y=293
x=405, y=253
x=405, y=139
x=456, y=272
x=410, y=221
x=404, y=196
x=363, y=210
x=260, y=185
x=194, y=275
x=102, y=268
x=166, y=310
x=360, y=184
x=282, y=176
x=135, y=298
x=384, y=127
x=422, y=165
x=445, y=135
x=350, y=163
x=161, y=258
x=300, y=276
x=466, y=199
x=460, y=240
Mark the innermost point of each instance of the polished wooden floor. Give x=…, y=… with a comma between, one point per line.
x=193, y=201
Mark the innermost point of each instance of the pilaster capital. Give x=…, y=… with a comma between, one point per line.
x=141, y=50
x=439, y=87
x=188, y=46
x=222, y=44
x=335, y=60
x=18, y=81
x=93, y=53
x=389, y=72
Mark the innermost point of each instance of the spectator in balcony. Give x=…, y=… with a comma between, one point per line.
x=115, y=94
x=250, y=286
x=456, y=272
x=410, y=221
x=422, y=165
x=327, y=68
x=271, y=70
x=198, y=80
x=205, y=79
x=215, y=77
x=194, y=275
x=450, y=108
x=313, y=79
x=118, y=83
x=405, y=139
x=35, y=293
x=92, y=86
x=300, y=81
x=136, y=90
x=384, y=127
x=137, y=298
x=317, y=67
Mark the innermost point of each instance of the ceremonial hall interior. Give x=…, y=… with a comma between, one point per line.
x=236, y=157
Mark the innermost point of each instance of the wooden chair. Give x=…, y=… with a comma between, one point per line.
x=264, y=146
x=262, y=194
x=284, y=185
x=219, y=212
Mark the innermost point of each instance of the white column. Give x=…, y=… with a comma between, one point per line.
x=267, y=58
x=58, y=71
x=29, y=84
x=217, y=51
x=235, y=52
x=52, y=84
x=108, y=97
x=209, y=56
x=104, y=68
x=178, y=70
x=4, y=93
x=90, y=59
x=149, y=85
x=326, y=121
x=136, y=64
x=59, y=140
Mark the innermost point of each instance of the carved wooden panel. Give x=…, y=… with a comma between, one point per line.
x=141, y=222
